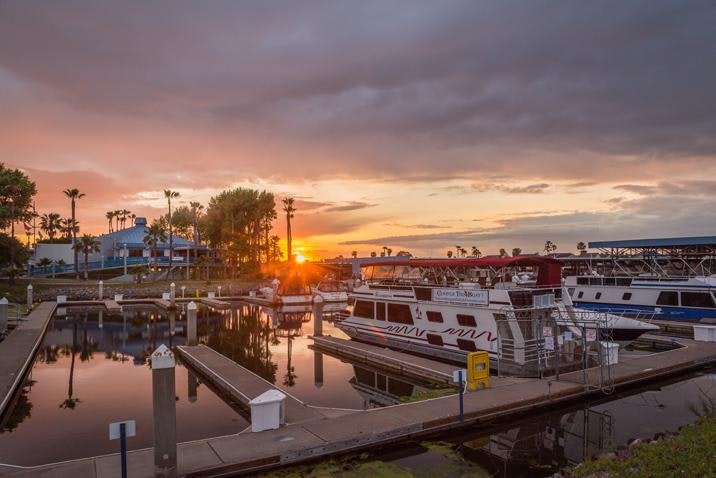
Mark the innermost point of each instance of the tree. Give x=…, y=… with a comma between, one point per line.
x=276, y=254
x=50, y=223
x=354, y=254
x=475, y=250
x=117, y=216
x=169, y=194
x=516, y=251
x=196, y=212
x=109, y=215
x=373, y=254
x=449, y=254
x=155, y=234
x=549, y=247
x=289, y=209
x=582, y=248
x=74, y=194
x=86, y=245
x=20, y=253
x=457, y=251
x=403, y=254
x=503, y=253
x=16, y=193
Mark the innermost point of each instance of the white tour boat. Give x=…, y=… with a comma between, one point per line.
x=291, y=292
x=331, y=291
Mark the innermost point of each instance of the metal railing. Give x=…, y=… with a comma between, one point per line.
x=115, y=262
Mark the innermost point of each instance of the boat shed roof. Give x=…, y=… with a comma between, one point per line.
x=659, y=243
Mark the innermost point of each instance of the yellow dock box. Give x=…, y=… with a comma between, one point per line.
x=478, y=370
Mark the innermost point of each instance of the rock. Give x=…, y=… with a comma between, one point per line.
x=634, y=443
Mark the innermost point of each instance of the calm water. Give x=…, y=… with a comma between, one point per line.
x=92, y=370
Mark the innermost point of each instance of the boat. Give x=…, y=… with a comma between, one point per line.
x=449, y=308
x=331, y=291
x=291, y=292
x=652, y=296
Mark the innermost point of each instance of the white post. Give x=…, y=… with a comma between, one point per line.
x=172, y=293
x=29, y=298
x=191, y=338
x=219, y=293
x=3, y=314
x=125, y=254
x=164, y=404
x=101, y=290
x=183, y=289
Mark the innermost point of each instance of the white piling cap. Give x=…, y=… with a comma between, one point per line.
x=29, y=286
x=191, y=305
x=3, y=301
x=318, y=299
x=172, y=285
x=269, y=396
x=163, y=358
x=101, y=283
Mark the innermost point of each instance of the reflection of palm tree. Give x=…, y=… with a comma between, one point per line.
x=70, y=402
x=290, y=378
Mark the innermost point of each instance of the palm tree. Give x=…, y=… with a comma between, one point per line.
x=449, y=254
x=71, y=402
x=74, y=194
x=169, y=194
x=86, y=245
x=49, y=223
x=549, y=247
x=457, y=251
x=516, y=251
x=155, y=234
x=354, y=254
x=373, y=254
x=196, y=209
x=133, y=216
x=117, y=214
x=503, y=253
x=289, y=209
x=125, y=216
x=475, y=250
x=109, y=215
x=582, y=248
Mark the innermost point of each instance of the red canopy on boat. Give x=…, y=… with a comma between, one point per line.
x=550, y=270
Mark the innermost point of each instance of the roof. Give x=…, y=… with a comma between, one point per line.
x=659, y=242
x=134, y=237
x=471, y=262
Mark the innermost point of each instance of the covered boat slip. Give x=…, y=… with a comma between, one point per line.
x=483, y=271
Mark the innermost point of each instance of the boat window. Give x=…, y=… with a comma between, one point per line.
x=466, y=320
x=610, y=281
x=434, y=339
x=380, y=310
x=363, y=309
x=582, y=280
x=697, y=299
x=434, y=316
x=626, y=296
x=624, y=281
x=570, y=291
x=580, y=295
x=667, y=298
x=468, y=345
x=598, y=296
x=399, y=313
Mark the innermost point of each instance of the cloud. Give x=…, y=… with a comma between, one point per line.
x=351, y=206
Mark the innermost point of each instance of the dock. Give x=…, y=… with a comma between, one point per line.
x=386, y=359
x=112, y=307
x=240, y=383
x=215, y=303
x=17, y=351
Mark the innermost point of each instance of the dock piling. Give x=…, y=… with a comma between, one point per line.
x=192, y=385
x=317, y=369
x=191, y=338
x=100, y=292
x=164, y=408
x=172, y=293
x=29, y=299
x=318, y=316
x=3, y=314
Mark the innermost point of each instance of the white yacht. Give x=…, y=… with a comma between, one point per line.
x=448, y=308
x=291, y=292
x=331, y=291
x=666, y=298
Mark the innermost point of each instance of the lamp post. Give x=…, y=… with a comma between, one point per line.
x=12, y=235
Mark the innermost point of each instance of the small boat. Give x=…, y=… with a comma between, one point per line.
x=291, y=292
x=331, y=291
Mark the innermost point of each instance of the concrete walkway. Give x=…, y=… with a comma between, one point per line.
x=18, y=350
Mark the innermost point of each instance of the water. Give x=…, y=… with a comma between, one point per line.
x=86, y=376
x=92, y=369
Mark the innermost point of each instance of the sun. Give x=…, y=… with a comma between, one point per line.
x=300, y=259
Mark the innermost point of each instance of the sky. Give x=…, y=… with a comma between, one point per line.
x=416, y=125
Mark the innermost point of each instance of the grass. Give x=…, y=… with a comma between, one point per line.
x=692, y=452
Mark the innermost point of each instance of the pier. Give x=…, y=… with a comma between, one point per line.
x=215, y=303
x=241, y=384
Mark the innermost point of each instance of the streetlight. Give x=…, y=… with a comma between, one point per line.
x=12, y=231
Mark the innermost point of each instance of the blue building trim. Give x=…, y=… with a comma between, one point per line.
x=670, y=313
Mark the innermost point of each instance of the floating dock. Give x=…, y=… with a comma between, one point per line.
x=386, y=359
x=18, y=349
x=112, y=307
x=240, y=383
x=215, y=303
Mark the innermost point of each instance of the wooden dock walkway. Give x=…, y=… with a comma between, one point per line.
x=386, y=359
x=321, y=437
x=215, y=303
x=242, y=384
x=112, y=307
x=18, y=349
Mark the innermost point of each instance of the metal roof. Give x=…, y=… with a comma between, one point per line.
x=134, y=237
x=665, y=242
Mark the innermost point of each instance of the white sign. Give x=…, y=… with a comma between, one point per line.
x=549, y=343
x=456, y=375
x=591, y=335
x=130, y=429
x=465, y=296
x=567, y=335
x=547, y=331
